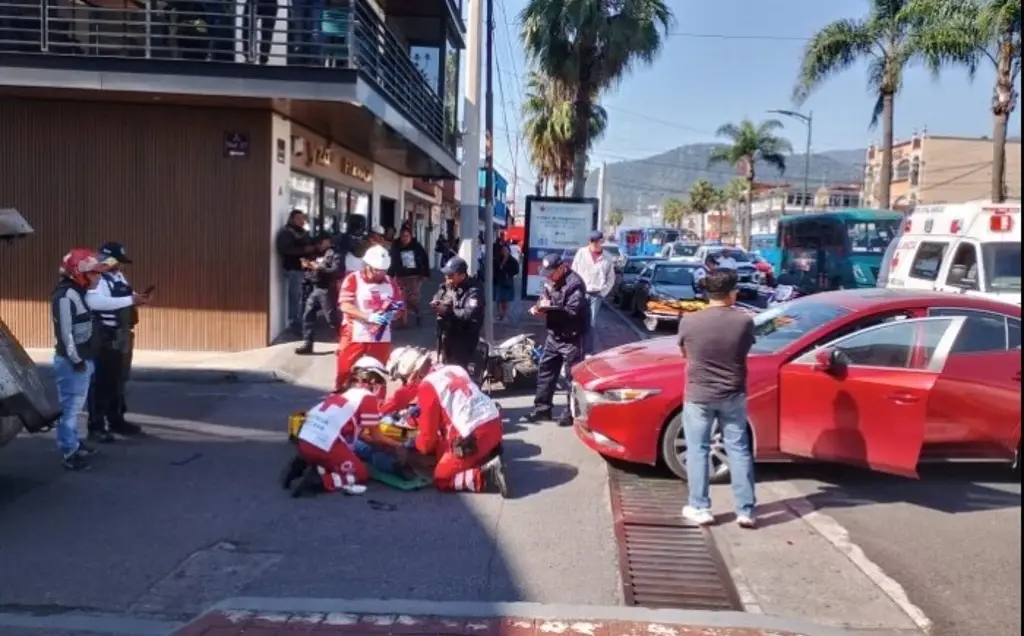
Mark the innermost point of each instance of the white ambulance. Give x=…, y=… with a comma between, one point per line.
x=964, y=248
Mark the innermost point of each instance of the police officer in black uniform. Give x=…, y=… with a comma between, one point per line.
x=459, y=305
x=322, y=279
x=106, y=402
x=565, y=308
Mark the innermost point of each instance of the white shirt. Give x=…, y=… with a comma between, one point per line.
x=99, y=299
x=598, y=275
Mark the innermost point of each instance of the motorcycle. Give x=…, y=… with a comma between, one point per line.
x=511, y=362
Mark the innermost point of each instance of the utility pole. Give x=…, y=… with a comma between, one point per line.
x=489, y=181
x=807, y=120
x=469, y=209
x=601, y=195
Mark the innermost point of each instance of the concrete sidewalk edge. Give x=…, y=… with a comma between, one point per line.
x=540, y=611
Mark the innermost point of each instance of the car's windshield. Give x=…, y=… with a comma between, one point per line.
x=635, y=266
x=781, y=325
x=673, y=275
x=1002, y=266
x=683, y=250
x=739, y=256
x=611, y=250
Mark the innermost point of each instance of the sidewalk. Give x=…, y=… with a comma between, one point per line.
x=478, y=619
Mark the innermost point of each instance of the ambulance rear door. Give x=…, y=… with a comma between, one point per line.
x=986, y=260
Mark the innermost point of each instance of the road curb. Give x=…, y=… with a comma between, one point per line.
x=186, y=375
x=539, y=611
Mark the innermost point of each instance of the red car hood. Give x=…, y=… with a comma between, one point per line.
x=639, y=360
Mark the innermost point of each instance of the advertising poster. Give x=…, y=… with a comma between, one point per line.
x=553, y=224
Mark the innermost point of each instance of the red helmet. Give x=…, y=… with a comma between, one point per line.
x=77, y=263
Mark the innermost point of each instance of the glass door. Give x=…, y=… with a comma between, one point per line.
x=304, y=195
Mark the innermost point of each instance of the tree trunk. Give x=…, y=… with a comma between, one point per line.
x=581, y=133
x=885, y=182
x=999, y=158
x=1003, y=102
x=703, y=229
x=747, y=221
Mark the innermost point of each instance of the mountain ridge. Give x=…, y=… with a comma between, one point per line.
x=652, y=180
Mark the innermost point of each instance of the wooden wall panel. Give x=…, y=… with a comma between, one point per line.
x=154, y=177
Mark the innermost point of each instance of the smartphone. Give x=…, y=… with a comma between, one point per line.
x=149, y=290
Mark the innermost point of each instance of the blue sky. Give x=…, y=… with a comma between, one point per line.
x=730, y=59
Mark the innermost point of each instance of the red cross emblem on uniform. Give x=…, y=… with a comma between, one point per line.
x=375, y=303
x=459, y=383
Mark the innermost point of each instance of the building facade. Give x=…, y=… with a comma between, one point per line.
x=500, y=198
x=940, y=169
x=773, y=202
x=189, y=135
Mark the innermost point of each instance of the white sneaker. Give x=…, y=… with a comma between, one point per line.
x=746, y=522
x=697, y=516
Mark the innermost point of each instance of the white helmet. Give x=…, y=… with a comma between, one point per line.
x=377, y=257
x=371, y=365
x=404, y=362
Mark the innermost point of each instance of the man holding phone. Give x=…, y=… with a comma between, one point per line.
x=106, y=404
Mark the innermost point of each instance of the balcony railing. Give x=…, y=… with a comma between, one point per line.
x=327, y=34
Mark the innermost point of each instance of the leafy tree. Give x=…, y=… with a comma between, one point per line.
x=548, y=127
x=973, y=33
x=674, y=211
x=703, y=198
x=751, y=143
x=589, y=46
x=614, y=219
x=890, y=38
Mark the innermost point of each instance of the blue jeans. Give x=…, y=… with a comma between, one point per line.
x=72, y=390
x=595, y=306
x=698, y=424
x=374, y=458
x=294, y=280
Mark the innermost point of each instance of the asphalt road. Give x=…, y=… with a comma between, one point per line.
x=164, y=526
x=952, y=539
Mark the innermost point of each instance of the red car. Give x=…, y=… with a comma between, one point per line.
x=880, y=378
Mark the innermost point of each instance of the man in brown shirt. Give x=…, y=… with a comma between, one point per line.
x=715, y=343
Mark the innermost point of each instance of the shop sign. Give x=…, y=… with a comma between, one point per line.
x=236, y=144
x=356, y=171
x=323, y=156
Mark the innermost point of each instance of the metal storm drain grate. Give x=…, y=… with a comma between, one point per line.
x=665, y=561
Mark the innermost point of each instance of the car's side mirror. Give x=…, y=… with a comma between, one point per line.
x=830, y=361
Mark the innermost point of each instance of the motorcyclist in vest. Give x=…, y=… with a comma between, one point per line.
x=76, y=337
x=459, y=305
x=456, y=423
x=322, y=274
x=106, y=404
x=563, y=304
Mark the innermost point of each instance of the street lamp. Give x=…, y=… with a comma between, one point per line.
x=808, y=120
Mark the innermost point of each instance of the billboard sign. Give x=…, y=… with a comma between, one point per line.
x=553, y=224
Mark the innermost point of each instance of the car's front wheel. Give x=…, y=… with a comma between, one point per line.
x=673, y=452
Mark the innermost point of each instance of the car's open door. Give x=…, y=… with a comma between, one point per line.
x=863, y=399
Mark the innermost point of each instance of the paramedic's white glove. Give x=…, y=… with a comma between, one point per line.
x=377, y=318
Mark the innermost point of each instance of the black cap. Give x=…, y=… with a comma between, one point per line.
x=551, y=261
x=115, y=251
x=455, y=265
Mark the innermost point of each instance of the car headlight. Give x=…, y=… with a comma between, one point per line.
x=625, y=396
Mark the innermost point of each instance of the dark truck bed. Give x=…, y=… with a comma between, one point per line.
x=25, y=401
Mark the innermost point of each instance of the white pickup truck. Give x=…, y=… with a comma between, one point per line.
x=25, y=403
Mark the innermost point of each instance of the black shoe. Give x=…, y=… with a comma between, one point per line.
x=85, y=449
x=565, y=419
x=100, y=436
x=126, y=428
x=495, y=479
x=305, y=349
x=539, y=415
x=76, y=461
x=309, y=483
x=292, y=471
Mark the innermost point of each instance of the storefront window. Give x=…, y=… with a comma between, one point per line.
x=304, y=195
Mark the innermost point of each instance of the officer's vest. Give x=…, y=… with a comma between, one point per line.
x=123, y=320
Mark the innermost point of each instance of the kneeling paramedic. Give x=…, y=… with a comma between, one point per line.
x=563, y=303
x=459, y=305
x=456, y=422
x=368, y=299
x=330, y=454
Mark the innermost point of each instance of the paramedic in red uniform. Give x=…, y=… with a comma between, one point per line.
x=328, y=445
x=456, y=422
x=364, y=299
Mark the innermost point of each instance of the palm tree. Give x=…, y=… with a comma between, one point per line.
x=589, y=46
x=548, y=128
x=973, y=33
x=674, y=210
x=735, y=193
x=615, y=218
x=751, y=143
x=703, y=196
x=890, y=38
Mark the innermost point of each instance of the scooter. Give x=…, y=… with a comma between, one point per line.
x=511, y=362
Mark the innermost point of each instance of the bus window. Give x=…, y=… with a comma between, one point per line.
x=871, y=237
